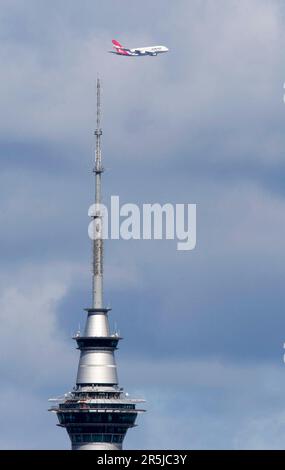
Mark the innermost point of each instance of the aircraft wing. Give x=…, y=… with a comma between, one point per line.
x=144, y=53
x=138, y=52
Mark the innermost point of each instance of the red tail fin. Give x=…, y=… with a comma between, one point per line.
x=116, y=44
x=119, y=48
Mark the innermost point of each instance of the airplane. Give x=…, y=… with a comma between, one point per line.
x=139, y=51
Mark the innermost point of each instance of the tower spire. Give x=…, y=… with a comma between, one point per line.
x=98, y=245
x=97, y=413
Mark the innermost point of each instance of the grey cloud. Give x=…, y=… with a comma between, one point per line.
x=202, y=124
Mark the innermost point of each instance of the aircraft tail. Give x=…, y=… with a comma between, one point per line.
x=117, y=45
x=119, y=48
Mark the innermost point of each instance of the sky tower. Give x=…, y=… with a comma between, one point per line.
x=97, y=413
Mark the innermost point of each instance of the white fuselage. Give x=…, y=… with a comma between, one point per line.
x=153, y=50
x=137, y=51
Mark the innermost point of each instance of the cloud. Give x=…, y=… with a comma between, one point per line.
x=195, y=404
x=203, y=124
x=200, y=405
x=35, y=352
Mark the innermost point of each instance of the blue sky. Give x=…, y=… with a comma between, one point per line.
x=204, y=330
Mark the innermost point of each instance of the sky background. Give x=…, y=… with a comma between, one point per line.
x=203, y=330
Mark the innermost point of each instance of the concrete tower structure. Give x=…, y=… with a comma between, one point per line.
x=97, y=413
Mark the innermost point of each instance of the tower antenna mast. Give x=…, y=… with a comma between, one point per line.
x=98, y=245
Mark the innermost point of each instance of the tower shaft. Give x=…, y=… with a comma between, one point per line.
x=97, y=413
